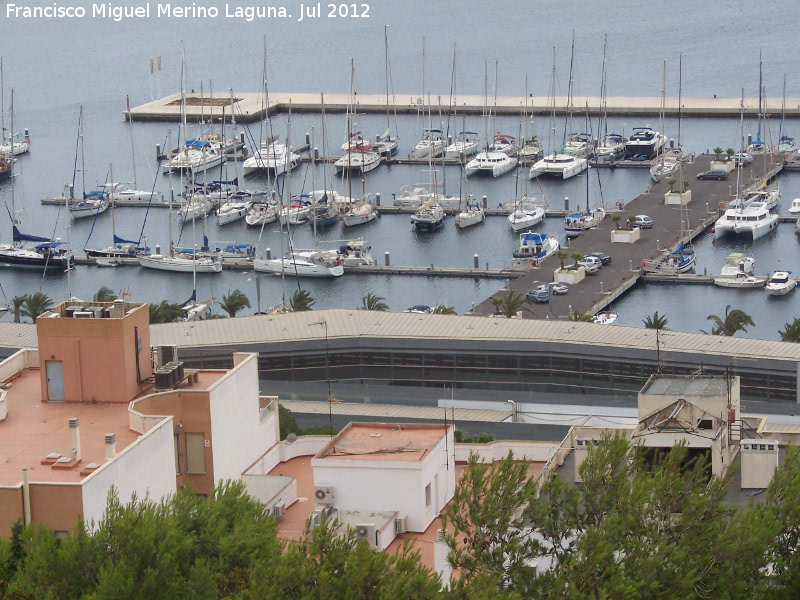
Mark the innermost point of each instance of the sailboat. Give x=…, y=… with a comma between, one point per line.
x=557, y=163
x=94, y=202
x=529, y=147
x=786, y=144
x=612, y=145
x=466, y=142
x=386, y=144
x=576, y=224
x=359, y=157
x=757, y=146
x=121, y=247
x=13, y=144
x=432, y=142
x=46, y=254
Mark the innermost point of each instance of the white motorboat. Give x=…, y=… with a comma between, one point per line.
x=472, y=215
x=386, y=144
x=361, y=159
x=576, y=224
x=752, y=220
x=786, y=145
x=272, y=158
x=644, y=144
x=528, y=212
x=605, y=318
x=180, y=264
x=535, y=247
x=559, y=165
x=503, y=143
x=780, y=283
x=466, y=144
x=314, y=264
x=429, y=216
x=262, y=213
x=736, y=263
x=198, y=155
x=359, y=214
x=432, y=144
x=93, y=204
x=354, y=253
x=123, y=191
x=794, y=209
x=612, y=146
x=740, y=281
x=491, y=163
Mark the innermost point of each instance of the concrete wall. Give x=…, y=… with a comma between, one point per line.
x=758, y=463
x=88, y=347
x=56, y=505
x=146, y=468
x=373, y=485
x=497, y=451
x=238, y=435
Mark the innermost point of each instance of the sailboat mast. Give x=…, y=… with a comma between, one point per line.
x=680, y=94
x=83, y=163
x=11, y=158
x=783, y=109
x=568, y=123
x=3, y=106
x=386, y=70
x=113, y=203
x=760, y=83
x=171, y=194
x=133, y=152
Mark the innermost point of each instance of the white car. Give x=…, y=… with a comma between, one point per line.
x=742, y=158
x=591, y=264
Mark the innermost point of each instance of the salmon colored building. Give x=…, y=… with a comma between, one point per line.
x=84, y=413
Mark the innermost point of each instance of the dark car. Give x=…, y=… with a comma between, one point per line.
x=718, y=174
x=538, y=295
x=604, y=258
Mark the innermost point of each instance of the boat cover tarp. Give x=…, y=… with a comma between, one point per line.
x=536, y=238
x=47, y=245
x=22, y=237
x=119, y=240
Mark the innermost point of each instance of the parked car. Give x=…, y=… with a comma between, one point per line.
x=538, y=295
x=643, y=222
x=742, y=158
x=604, y=258
x=718, y=174
x=559, y=289
x=592, y=264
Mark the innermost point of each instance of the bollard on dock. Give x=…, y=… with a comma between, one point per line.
x=566, y=203
x=476, y=261
x=378, y=199
x=158, y=151
x=386, y=260
x=269, y=253
x=485, y=201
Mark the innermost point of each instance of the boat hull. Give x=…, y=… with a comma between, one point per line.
x=296, y=268
x=179, y=265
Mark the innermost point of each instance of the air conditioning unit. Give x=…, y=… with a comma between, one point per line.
x=82, y=314
x=316, y=518
x=279, y=509
x=323, y=494
x=166, y=354
x=366, y=532
x=327, y=512
x=401, y=523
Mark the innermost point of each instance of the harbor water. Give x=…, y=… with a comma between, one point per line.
x=63, y=67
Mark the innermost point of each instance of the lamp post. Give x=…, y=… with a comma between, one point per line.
x=324, y=323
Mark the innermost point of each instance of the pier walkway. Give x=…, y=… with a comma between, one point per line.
x=252, y=106
x=671, y=226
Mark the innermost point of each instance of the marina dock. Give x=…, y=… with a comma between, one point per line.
x=253, y=106
x=672, y=225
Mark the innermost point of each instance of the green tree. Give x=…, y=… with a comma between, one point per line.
x=717, y=151
x=373, y=302
x=730, y=152
x=510, y=304
x=104, y=294
x=784, y=510
x=631, y=221
x=233, y=302
x=288, y=423
x=35, y=304
x=575, y=256
x=655, y=321
x=165, y=312
x=16, y=306
x=616, y=218
x=733, y=321
x=791, y=331
x=301, y=300
x=444, y=310
x=562, y=255
x=671, y=183
x=486, y=519
x=580, y=316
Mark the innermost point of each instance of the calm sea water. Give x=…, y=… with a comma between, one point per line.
x=95, y=63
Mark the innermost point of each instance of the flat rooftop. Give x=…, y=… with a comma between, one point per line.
x=34, y=429
x=683, y=386
x=383, y=441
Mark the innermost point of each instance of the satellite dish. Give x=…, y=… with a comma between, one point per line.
x=291, y=438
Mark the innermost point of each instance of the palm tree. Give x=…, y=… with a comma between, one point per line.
x=444, y=310
x=655, y=322
x=104, y=294
x=562, y=254
x=510, y=304
x=735, y=320
x=717, y=152
x=616, y=218
x=233, y=302
x=36, y=304
x=165, y=312
x=575, y=256
x=301, y=300
x=373, y=302
x=791, y=331
x=16, y=306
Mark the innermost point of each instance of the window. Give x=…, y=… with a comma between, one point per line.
x=195, y=453
x=428, y=495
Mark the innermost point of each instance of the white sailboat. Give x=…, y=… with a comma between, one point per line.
x=386, y=143
x=13, y=144
x=92, y=203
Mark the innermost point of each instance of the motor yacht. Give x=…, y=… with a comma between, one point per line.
x=535, y=247
x=612, y=146
x=780, y=283
x=492, y=163
x=752, y=220
x=563, y=166
x=272, y=158
x=644, y=144
x=794, y=209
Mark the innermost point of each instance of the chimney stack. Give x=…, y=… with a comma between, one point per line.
x=75, y=435
x=118, y=310
x=111, y=446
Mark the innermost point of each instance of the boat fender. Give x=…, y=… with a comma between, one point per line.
x=645, y=264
